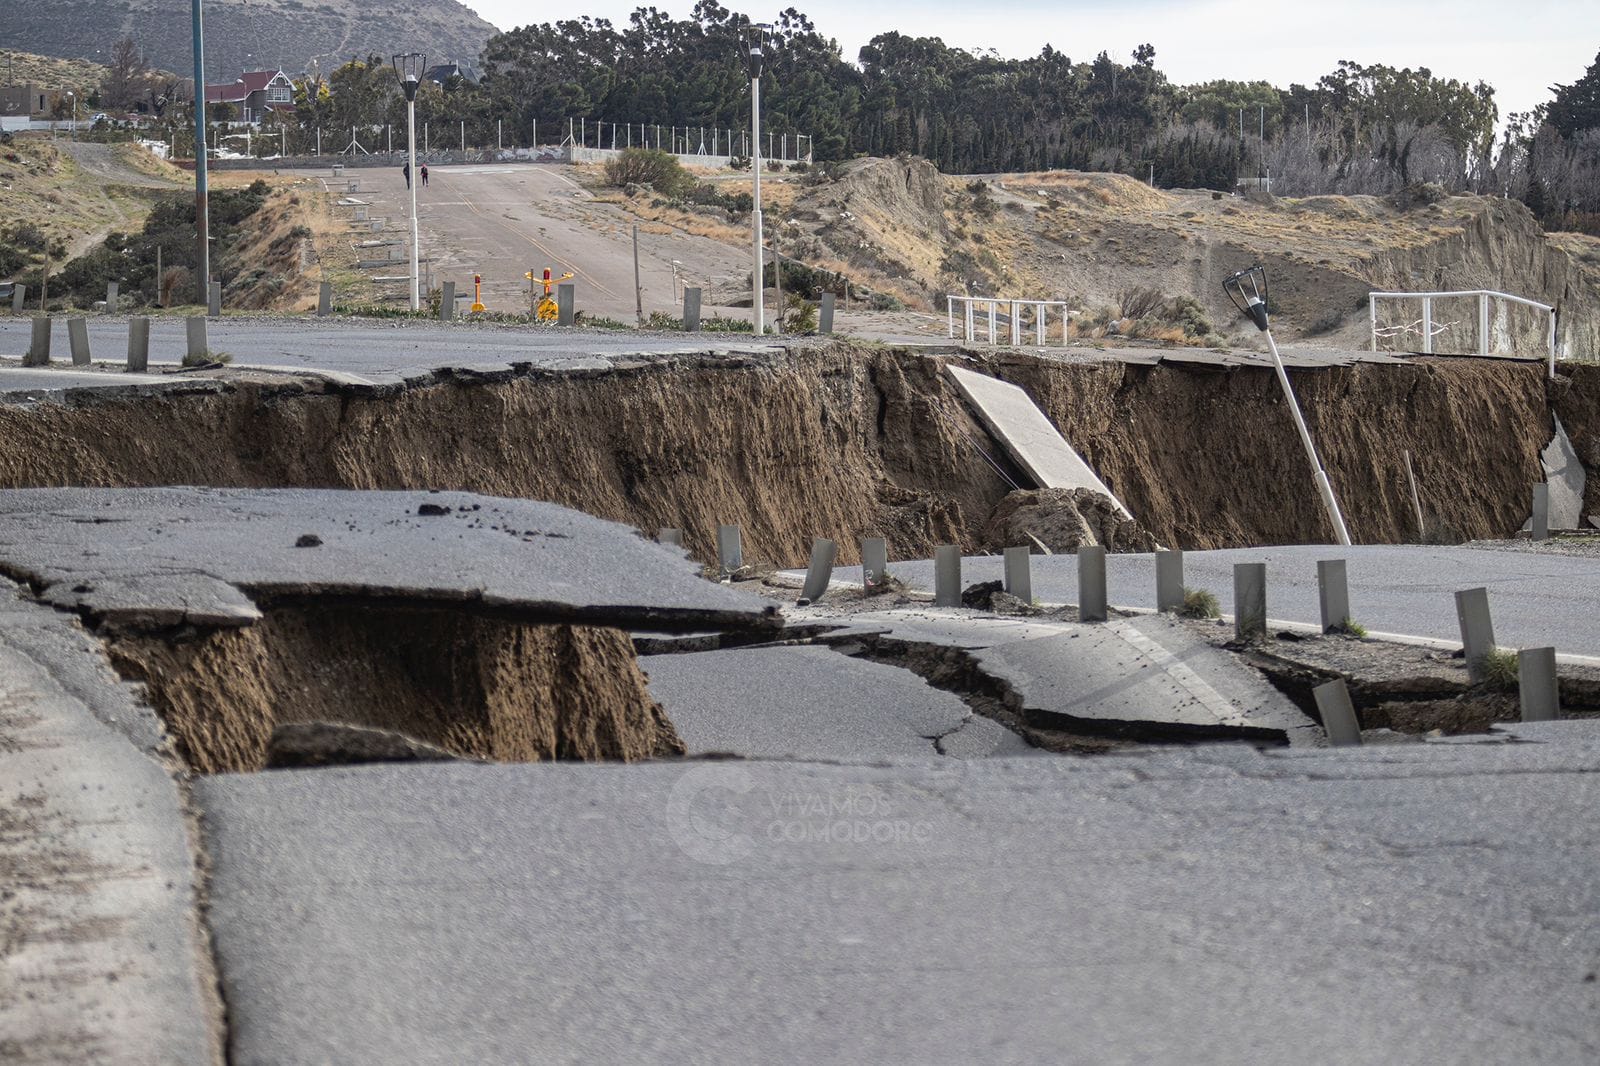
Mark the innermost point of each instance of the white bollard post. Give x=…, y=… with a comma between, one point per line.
x=199, y=347
x=820, y=572
x=1019, y=573
x=1249, y=600
x=1169, y=580
x=1477, y=629
x=730, y=550
x=1333, y=593
x=1538, y=688
x=39, y=344
x=1338, y=714
x=138, y=344
x=874, y=560
x=947, y=576
x=1092, y=583
x=78, y=340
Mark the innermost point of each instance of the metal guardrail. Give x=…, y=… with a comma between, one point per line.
x=1485, y=298
x=991, y=306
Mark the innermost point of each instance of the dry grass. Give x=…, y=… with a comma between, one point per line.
x=42, y=185
x=47, y=72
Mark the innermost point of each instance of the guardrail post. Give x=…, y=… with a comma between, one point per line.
x=198, y=345
x=874, y=560
x=825, y=315
x=820, y=572
x=1551, y=335
x=1338, y=714
x=1477, y=629
x=565, y=311
x=730, y=550
x=1038, y=311
x=111, y=297
x=1483, y=323
x=1169, y=580
x=1427, y=325
x=19, y=298
x=1539, y=528
x=1018, y=573
x=447, y=301
x=78, y=340
x=1538, y=688
x=1016, y=323
x=1091, y=583
x=991, y=321
x=325, y=299
x=1249, y=600
x=39, y=344
x=1372, y=315
x=972, y=329
x=1333, y=594
x=138, y=344
x=947, y=576
x=215, y=301
x=691, y=309
x=950, y=315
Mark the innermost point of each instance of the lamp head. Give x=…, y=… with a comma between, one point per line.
x=409, y=68
x=753, y=42
x=1248, y=291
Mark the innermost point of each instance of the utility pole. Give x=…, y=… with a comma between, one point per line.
x=202, y=208
x=755, y=40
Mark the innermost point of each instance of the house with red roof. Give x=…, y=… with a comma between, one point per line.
x=254, y=94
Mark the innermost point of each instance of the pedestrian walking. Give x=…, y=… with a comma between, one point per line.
x=424, y=172
x=406, y=170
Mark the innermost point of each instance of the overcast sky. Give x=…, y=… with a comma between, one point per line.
x=1519, y=48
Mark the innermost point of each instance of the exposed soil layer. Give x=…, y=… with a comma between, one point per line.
x=475, y=687
x=850, y=441
x=1576, y=397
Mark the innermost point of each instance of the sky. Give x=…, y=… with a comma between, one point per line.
x=1521, y=49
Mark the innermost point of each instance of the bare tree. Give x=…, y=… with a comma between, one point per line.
x=126, y=75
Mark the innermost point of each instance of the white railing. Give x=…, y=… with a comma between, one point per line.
x=1428, y=328
x=975, y=309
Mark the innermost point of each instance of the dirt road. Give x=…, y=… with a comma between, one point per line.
x=502, y=221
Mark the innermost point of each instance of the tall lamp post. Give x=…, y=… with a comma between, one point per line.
x=202, y=206
x=755, y=41
x=1248, y=291
x=409, y=67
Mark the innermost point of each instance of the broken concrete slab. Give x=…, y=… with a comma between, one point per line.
x=1564, y=473
x=1205, y=904
x=103, y=960
x=1011, y=416
x=801, y=702
x=161, y=554
x=1139, y=677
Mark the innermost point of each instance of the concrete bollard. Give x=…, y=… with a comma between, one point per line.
x=1477, y=629
x=668, y=535
x=1019, y=573
x=1338, y=714
x=325, y=299
x=947, y=576
x=691, y=309
x=1249, y=600
x=1092, y=583
x=214, y=300
x=78, y=340
x=565, y=310
x=199, y=346
x=447, y=301
x=825, y=314
x=1333, y=594
x=138, y=344
x=19, y=298
x=820, y=572
x=874, y=560
x=111, y=297
x=1169, y=581
x=39, y=344
x=730, y=549
x=1537, y=686
x=1541, y=511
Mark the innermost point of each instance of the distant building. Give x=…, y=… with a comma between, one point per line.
x=441, y=73
x=255, y=94
x=28, y=101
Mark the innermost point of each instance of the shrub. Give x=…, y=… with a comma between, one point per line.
x=1499, y=668
x=1141, y=302
x=647, y=166
x=1199, y=603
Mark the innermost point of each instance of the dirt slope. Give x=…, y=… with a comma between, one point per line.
x=1095, y=240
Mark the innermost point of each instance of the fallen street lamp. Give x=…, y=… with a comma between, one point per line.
x=409, y=68
x=1248, y=291
x=754, y=43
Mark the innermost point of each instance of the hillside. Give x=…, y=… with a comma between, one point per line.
x=25, y=68
x=252, y=34
x=1104, y=242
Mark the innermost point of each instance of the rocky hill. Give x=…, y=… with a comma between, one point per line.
x=254, y=34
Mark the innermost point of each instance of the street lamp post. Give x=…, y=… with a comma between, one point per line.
x=755, y=39
x=202, y=205
x=1248, y=291
x=409, y=67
